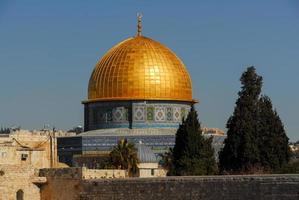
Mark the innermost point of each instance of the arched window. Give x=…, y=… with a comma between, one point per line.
x=20, y=195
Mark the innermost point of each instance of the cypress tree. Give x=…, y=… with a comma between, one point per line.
x=273, y=141
x=240, y=152
x=193, y=154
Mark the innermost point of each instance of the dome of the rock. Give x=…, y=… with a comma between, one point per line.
x=140, y=68
x=138, y=83
x=139, y=91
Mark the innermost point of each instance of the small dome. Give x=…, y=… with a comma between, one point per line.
x=140, y=68
x=145, y=154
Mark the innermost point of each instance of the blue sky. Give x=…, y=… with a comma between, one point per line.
x=49, y=48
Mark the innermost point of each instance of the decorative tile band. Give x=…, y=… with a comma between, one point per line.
x=136, y=114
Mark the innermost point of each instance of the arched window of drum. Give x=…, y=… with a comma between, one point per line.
x=20, y=195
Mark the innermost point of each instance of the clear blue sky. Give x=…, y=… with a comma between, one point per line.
x=49, y=48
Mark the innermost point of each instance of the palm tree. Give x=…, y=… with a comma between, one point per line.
x=124, y=156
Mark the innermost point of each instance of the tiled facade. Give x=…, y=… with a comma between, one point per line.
x=135, y=114
x=152, y=122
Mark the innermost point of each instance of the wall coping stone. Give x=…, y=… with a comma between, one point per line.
x=261, y=177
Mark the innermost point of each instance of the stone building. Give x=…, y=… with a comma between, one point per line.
x=22, y=154
x=148, y=163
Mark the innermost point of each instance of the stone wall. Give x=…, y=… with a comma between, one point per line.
x=60, y=189
x=63, y=173
x=103, y=173
x=66, y=183
x=81, y=173
x=258, y=187
x=19, y=178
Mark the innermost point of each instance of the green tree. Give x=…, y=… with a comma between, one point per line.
x=193, y=154
x=124, y=156
x=240, y=152
x=273, y=141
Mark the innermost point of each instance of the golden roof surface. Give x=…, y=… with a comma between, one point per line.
x=140, y=68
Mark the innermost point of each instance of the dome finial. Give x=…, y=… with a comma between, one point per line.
x=139, y=25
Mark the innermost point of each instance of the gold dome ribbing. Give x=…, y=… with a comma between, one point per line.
x=140, y=68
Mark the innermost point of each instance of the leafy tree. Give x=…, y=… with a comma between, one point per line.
x=273, y=141
x=193, y=154
x=240, y=152
x=124, y=156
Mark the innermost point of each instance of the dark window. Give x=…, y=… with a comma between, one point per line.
x=20, y=195
x=152, y=172
x=24, y=157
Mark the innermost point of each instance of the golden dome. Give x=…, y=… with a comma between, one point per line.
x=140, y=68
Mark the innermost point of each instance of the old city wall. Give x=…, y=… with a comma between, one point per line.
x=96, y=174
x=61, y=189
x=81, y=173
x=205, y=188
x=280, y=187
x=66, y=183
x=61, y=183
